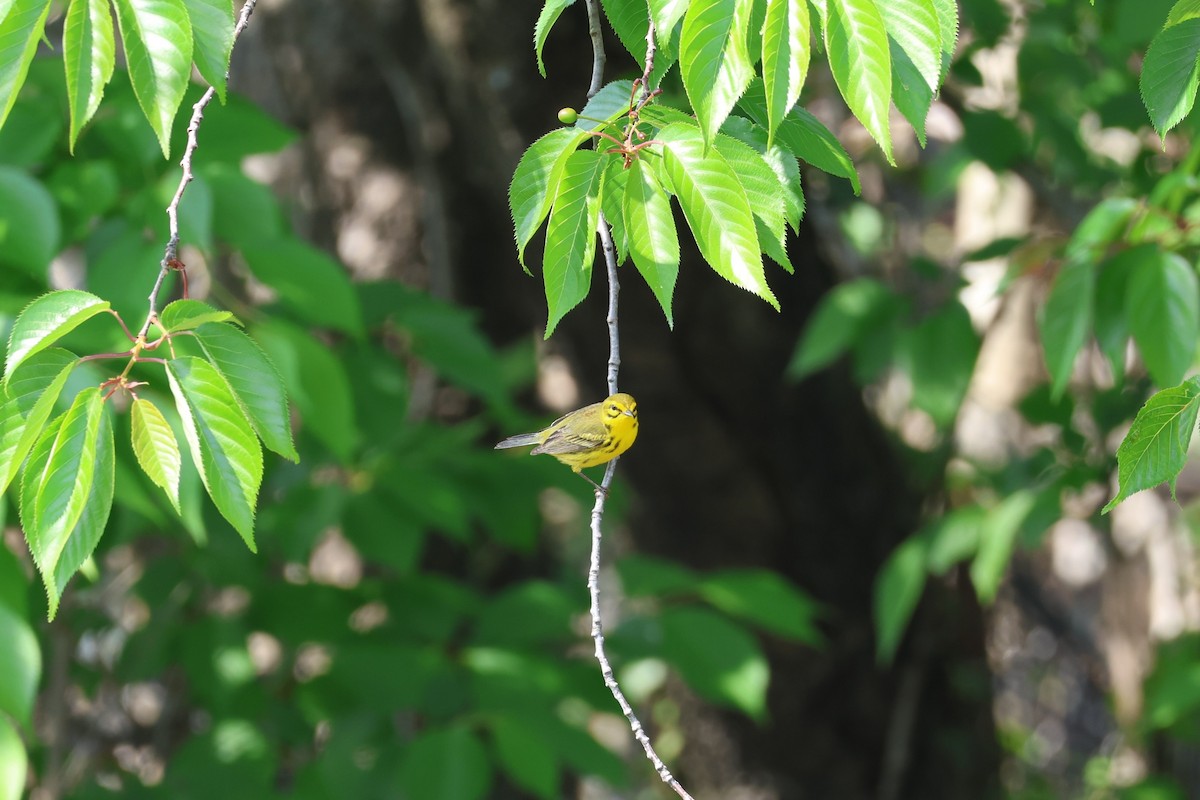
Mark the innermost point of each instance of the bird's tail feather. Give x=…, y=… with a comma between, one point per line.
x=520, y=440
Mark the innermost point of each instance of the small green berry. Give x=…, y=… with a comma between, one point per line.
x=568, y=116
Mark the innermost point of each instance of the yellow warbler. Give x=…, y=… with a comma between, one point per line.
x=586, y=437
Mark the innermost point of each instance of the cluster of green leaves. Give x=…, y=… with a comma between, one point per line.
x=56, y=427
x=161, y=38
x=732, y=163
x=492, y=703
x=1125, y=275
x=1171, y=71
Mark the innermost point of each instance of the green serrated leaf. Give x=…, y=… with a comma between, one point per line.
x=786, y=49
x=653, y=242
x=255, y=383
x=714, y=61
x=947, y=14
x=781, y=161
x=155, y=447
x=717, y=658
x=545, y=21
x=805, y=136
x=1155, y=449
x=1171, y=74
x=30, y=230
x=571, y=235
x=67, y=490
x=212, y=32
x=223, y=445
x=27, y=399
x=666, y=15
x=611, y=102
x=535, y=182
x=157, y=37
x=716, y=208
x=308, y=281
x=89, y=56
x=1163, y=309
x=612, y=198
x=186, y=315
x=764, y=192
x=46, y=320
x=910, y=93
x=630, y=20
x=20, y=668
x=1066, y=319
x=915, y=26
x=20, y=31
x=898, y=589
x=856, y=43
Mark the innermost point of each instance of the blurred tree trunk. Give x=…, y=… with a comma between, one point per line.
x=433, y=101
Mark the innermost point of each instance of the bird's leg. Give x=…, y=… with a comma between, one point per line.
x=599, y=488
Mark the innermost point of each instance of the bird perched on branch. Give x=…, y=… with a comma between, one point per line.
x=587, y=437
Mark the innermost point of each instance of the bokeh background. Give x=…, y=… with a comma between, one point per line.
x=870, y=567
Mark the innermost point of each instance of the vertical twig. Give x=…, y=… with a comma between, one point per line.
x=614, y=365
x=170, y=260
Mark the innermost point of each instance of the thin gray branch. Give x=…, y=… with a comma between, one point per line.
x=614, y=365
x=170, y=260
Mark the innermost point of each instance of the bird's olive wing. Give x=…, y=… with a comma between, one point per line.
x=577, y=435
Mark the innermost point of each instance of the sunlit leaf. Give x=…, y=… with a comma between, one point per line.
x=20, y=31
x=255, y=383
x=155, y=446
x=1171, y=74
x=89, y=55
x=535, y=182
x=27, y=399
x=212, y=33
x=46, y=320
x=856, y=43
x=714, y=61
x=186, y=315
x=157, y=37
x=716, y=208
x=67, y=491
x=1163, y=308
x=805, y=136
x=223, y=445
x=551, y=9
x=571, y=235
x=786, y=49
x=1155, y=449
x=650, y=226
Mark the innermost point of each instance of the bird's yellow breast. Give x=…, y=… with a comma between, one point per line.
x=621, y=432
